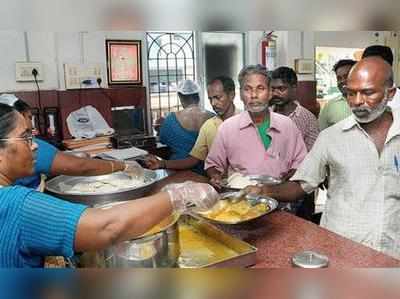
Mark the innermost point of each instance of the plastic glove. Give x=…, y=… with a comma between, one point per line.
x=182, y=195
x=134, y=170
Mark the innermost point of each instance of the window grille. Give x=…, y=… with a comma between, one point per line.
x=170, y=57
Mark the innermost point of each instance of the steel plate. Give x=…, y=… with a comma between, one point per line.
x=58, y=186
x=270, y=202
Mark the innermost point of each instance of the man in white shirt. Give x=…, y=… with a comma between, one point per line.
x=362, y=153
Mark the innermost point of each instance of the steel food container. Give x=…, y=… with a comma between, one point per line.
x=157, y=248
x=60, y=185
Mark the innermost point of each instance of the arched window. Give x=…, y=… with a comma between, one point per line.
x=170, y=57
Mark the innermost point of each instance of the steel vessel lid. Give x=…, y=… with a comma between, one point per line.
x=310, y=260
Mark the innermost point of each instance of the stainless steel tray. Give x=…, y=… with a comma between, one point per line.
x=58, y=186
x=270, y=202
x=228, y=251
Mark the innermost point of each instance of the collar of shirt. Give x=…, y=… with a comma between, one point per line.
x=394, y=130
x=246, y=121
x=295, y=111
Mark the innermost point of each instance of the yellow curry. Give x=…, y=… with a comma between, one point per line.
x=233, y=212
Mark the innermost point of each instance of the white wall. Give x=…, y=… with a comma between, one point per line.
x=296, y=44
x=13, y=49
x=290, y=46
x=253, y=52
x=348, y=39
x=53, y=49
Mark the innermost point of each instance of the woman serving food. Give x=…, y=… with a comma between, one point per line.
x=34, y=225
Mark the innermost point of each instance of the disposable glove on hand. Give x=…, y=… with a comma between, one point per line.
x=183, y=195
x=134, y=170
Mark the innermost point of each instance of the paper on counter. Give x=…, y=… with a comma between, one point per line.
x=123, y=154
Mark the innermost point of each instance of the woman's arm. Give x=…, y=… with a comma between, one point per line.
x=71, y=165
x=98, y=228
x=153, y=162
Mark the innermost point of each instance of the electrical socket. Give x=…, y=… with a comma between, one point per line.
x=23, y=71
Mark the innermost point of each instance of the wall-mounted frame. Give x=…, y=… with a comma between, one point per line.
x=304, y=66
x=124, y=63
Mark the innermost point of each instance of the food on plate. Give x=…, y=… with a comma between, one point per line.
x=105, y=185
x=240, y=181
x=234, y=212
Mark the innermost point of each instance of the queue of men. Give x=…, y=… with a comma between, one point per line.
x=356, y=154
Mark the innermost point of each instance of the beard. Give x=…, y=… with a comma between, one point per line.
x=366, y=114
x=256, y=107
x=220, y=111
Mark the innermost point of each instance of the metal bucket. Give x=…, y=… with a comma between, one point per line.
x=155, y=249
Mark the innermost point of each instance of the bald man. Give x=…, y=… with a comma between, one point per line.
x=362, y=153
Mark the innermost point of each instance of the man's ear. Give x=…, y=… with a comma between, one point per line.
x=231, y=95
x=391, y=92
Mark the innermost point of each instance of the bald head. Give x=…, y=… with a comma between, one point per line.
x=369, y=88
x=372, y=69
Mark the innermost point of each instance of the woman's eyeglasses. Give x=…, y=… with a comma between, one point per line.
x=28, y=139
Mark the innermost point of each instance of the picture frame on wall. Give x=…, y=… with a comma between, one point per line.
x=124, y=62
x=304, y=66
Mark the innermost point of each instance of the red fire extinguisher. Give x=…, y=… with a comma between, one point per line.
x=268, y=50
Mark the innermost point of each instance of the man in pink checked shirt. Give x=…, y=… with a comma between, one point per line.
x=256, y=141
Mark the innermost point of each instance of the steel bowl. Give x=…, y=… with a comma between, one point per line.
x=60, y=185
x=271, y=203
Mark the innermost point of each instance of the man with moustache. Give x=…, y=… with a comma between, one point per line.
x=221, y=92
x=283, y=101
x=362, y=153
x=257, y=141
x=337, y=109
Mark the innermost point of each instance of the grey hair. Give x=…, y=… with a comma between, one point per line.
x=253, y=69
x=389, y=82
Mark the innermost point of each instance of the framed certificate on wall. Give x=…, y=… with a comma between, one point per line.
x=124, y=62
x=304, y=66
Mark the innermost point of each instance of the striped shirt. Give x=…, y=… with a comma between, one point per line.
x=307, y=124
x=363, y=199
x=34, y=225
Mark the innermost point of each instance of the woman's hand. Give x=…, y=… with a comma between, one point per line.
x=134, y=170
x=152, y=162
x=182, y=195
